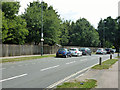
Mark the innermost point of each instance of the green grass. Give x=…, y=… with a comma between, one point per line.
x=106, y=64
x=24, y=58
x=88, y=83
x=118, y=57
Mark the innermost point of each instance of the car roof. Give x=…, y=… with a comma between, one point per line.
x=73, y=48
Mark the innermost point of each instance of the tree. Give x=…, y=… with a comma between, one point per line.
x=84, y=34
x=51, y=26
x=13, y=26
x=65, y=29
x=51, y=22
x=10, y=9
x=109, y=29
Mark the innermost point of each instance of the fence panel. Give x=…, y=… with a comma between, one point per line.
x=17, y=50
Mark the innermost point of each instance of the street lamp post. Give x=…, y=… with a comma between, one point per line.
x=118, y=40
x=42, y=40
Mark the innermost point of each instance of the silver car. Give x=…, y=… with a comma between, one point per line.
x=75, y=52
x=101, y=51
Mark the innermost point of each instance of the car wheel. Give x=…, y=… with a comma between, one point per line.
x=66, y=56
x=78, y=55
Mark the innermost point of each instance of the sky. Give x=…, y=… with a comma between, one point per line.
x=92, y=10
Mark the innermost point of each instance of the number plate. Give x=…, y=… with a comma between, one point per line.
x=60, y=54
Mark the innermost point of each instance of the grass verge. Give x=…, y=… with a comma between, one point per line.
x=118, y=57
x=106, y=64
x=24, y=58
x=88, y=83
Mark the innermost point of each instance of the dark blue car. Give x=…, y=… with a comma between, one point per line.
x=63, y=52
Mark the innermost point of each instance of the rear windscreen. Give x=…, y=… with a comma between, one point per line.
x=61, y=49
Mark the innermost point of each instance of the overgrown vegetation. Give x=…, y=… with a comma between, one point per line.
x=24, y=58
x=106, y=64
x=88, y=84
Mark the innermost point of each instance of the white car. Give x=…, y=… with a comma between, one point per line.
x=101, y=51
x=75, y=52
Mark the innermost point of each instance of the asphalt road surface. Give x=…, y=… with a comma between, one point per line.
x=43, y=73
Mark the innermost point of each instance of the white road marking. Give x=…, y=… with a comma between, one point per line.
x=33, y=63
x=67, y=78
x=49, y=68
x=71, y=62
x=20, y=65
x=2, y=68
x=13, y=77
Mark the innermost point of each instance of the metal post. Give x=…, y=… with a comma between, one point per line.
x=42, y=28
x=118, y=52
x=110, y=56
x=100, y=61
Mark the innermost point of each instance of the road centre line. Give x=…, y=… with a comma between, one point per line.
x=49, y=68
x=2, y=68
x=71, y=62
x=13, y=77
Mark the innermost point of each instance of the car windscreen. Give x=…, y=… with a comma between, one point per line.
x=72, y=49
x=82, y=49
x=99, y=50
x=107, y=49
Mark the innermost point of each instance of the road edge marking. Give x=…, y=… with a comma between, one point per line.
x=13, y=77
x=63, y=80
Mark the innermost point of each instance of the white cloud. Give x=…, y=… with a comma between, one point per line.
x=92, y=10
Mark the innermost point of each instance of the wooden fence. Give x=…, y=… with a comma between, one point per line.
x=18, y=50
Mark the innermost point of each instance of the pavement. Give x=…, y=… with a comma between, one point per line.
x=107, y=78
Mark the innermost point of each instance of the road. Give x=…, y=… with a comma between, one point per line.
x=42, y=73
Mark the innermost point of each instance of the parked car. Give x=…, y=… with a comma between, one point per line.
x=85, y=51
x=101, y=51
x=75, y=52
x=114, y=50
x=109, y=51
x=63, y=52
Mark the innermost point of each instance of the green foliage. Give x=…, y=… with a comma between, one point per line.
x=109, y=32
x=84, y=34
x=13, y=27
x=51, y=26
x=10, y=9
x=64, y=37
x=17, y=30
x=51, y=23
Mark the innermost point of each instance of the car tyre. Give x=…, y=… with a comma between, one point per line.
x=66, y=56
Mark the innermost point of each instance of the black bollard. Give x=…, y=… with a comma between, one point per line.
x=100, y=61
x=110, y=56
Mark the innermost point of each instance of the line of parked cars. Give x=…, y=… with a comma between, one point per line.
x=64, y=52
x=105, y=51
